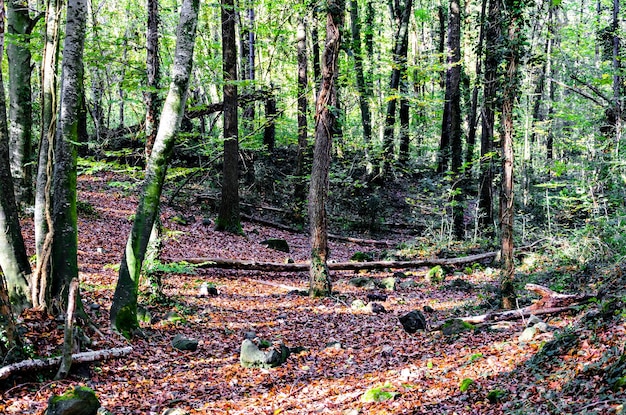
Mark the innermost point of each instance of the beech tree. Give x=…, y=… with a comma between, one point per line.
x=325, y=129
x=123, y=311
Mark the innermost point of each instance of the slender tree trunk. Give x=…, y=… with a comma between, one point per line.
x=299, y=192
x=10, y=342
x=617, y=76
x=514, y=12
x=229, y=218
x=13, y=259
x=153, y=68
x=40, y=286
x=492, y=61
x=247, y=65
x=124, y=307
x=315, y=40
x=325, y=129
x=366, y=116
x=401, y=12
x=64, y=268
x=442, y=44
x=269, y=132
x=472, y=121
x=20, y=26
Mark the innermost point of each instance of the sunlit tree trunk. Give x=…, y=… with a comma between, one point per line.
x=325, y=129
x=10, y=342
x=20, y=26
x=124, y=307
x=514, y=12
x=492, y=61
x=40, y=285
x=228, y=218
x=64, y=261
x=13, y=259
x=366, y=116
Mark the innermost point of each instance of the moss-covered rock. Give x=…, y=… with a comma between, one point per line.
x=79, y=401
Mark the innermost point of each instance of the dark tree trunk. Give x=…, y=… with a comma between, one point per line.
x=20, y=26
x=492, y=61
x=442, y=44
x=514, y=12
x=247, y=65
x=315, y=40
x=366, y=116
x=325, y=129
x=618, y=104
x=64, y=261
x=303, y=110
x=401, y=13
x=269, y=132
x=13, y=258
x=229, y=218
x=123, y=311
x=151, y=96
x=472, y=119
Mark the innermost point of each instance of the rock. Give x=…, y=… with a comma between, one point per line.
x=528, y=334
x=399, y=275
x=375, y=308
x=94, y=306
x=333, y=345
x=542, y=327
x=361, y=282
x=435, y=275
x=413, y=321
x=181, y=342
x=251, y=356
x=175, y=411
x=410, y=283
x=455, y=326
x=532, y=320
x=250, y=335
x=300, y=293
x=388, y=283
x=282, y=316
x=376, y=297
x=206, y=290
x=103, y=411
x=276, y=244
x=173, y=317
x=361, y=257
x=428, y=309
x=79, y=401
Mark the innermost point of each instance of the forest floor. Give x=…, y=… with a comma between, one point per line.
x=351, y=354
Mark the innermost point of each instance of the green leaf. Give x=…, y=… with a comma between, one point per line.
x=465, y=384
x=379, y=394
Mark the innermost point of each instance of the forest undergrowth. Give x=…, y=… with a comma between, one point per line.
x=351, y=360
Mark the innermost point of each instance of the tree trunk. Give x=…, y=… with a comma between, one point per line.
x=269, y=131
x=366, y=116
x=325, y=129
x=151, y=96
x=247, y=65
x=617, y=75
x=303, y=110
x=511, y=87
x=124, y=307
x=20, y=103
x=315, y=40
x=40, y=286
x=401, y=13
x=64, y=261
x=492, y=61
x=13, y=258
x=10, y=342
x=228, y=218
x=472, y=121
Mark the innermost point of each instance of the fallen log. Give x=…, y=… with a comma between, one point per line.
x=84, y=357
x=252, y=265
x=550, y=302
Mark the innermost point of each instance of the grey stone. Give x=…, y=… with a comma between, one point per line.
x=276, y=244
x=455, y=326
x=79, y=401
x=175, y=411
x=528, y=334
x=357, y=304
x=410, y=283
x=181, y=342
x=251, y=356
x=375, y=308
x=388, y=283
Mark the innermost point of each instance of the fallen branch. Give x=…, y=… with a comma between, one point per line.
x=335, y=266
x=550, y=303
x=84, y=357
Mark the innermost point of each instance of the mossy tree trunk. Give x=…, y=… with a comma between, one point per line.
x=13, y=258
x=229, y=218
x=64, y=247
x=325, y=129
x=124, y=307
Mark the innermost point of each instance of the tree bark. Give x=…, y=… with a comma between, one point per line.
x=43, y=216
x=303, y=110
x=124, y=306
x=511, y=87
x=247, y=64
x=228, y=218
x=472, y=121
x=366, y=115
x=153, y=68
x=325, y=129
x=20, y=26
x=13, y=258
x=492, y=61
x=401, y=14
